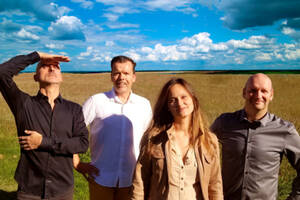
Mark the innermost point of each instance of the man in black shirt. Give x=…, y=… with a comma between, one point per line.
x=50, y=128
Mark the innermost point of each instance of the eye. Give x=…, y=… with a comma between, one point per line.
x=171, y=101
x=264, y=91
x=183, y=97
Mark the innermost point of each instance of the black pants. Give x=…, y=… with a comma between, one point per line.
x=24, y=196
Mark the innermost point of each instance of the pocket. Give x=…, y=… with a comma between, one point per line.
x=207, y=158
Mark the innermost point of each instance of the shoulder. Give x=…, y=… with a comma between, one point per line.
x=282, y=124
x=72, y=105
x=99, y=97
x=230, y=115
x=140, y=99
x=213, y=137
x=157, y=137
x=228, y=119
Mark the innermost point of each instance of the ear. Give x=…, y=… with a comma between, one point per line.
x=35, y=77
x=134, y=78
x=272, y=94
x=244, y=93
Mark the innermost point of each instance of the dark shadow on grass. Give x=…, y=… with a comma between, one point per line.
x=4, y=195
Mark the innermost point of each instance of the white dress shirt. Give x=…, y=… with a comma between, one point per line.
x=115, y=133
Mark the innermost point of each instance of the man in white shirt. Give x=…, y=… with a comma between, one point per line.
x=117, y=119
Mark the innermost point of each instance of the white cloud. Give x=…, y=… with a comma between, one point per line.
x=114, y=2
x=84, y=3
x=288, y=31
x=122, y=25
x=95, y=55
x=263, y=57
x=111, y=17
x=109, y=43
x=88, y=52
x=54, y=46
x=291, y=32
x=254, y=42
x=292, y=54
x=67, y=28
x=122, y=10
x=167, y=5
x=25, y=35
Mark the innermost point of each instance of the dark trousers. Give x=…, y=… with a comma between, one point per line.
x=24, y=196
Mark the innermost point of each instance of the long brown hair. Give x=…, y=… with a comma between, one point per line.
x=163, y=119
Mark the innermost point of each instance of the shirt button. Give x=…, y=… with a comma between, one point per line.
x=181, y=189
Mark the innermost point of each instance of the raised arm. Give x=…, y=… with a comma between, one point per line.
x=8, y=69
x=45, y=57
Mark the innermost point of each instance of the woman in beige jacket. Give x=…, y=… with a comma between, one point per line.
x=179, y=157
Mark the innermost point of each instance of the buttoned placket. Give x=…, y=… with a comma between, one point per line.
x=181, y=170
x=181, y=181
x=122, y=107
x=48, y=180
x=250, y=133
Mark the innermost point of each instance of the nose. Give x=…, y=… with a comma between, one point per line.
x=51, y=67
x=121, y=76
x=179, y=102
x=259, y=94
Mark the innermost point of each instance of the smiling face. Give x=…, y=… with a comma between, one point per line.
x=258, y=93
x=48, y=73
x=122, y=76
x=180, y=102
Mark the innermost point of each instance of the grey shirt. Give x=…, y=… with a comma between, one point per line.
x=252, y=153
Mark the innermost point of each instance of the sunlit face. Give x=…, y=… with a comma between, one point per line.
x=48, y=73
x=123, y=77
x=258, y=93
x=180, y=102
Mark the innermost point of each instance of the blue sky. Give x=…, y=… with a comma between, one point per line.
x=157, y=34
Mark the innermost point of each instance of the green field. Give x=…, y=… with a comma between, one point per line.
x=217, y=93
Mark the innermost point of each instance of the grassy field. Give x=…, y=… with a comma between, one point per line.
x=217, y=93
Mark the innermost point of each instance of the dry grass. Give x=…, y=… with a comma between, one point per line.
x=217, y=94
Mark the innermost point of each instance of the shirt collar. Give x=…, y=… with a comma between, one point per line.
x=170, y=132
x=41, y=96
x=115, y=98
x=263, y=121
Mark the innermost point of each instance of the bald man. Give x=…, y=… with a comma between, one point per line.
x=253, y=143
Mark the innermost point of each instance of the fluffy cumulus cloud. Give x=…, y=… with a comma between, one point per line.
x=241, y=14
x=67, y=28
x=95, y=55
x=41, y=9
x=291, y=28
x=250, y=51
x=26, y=36
x=198, y=46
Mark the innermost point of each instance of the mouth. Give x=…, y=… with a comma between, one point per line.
x=121, y=84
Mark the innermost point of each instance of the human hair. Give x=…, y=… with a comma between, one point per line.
x=163, y=119
x=122, y=59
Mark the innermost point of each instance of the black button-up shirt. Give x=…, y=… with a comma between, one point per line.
x=48, y=170
x=252, y=153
